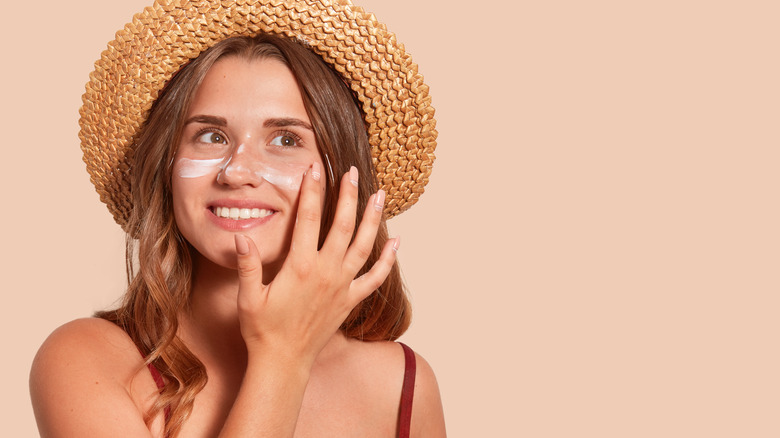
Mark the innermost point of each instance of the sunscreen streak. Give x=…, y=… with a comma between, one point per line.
x=190, y=168
x=281, y=179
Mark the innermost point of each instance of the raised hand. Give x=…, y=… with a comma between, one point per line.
x=295, y=315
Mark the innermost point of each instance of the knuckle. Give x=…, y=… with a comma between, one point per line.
x=303, y=268
x=309, y=215
x=344, y=226
x=363, y=252
x=247, y=270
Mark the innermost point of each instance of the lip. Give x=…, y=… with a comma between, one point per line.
x=243, y=224
x=240, y=203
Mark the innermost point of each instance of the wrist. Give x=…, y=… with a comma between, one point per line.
x=279, y=361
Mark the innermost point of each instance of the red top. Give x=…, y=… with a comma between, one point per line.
x=407, y=393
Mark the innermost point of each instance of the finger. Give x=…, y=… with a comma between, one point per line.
x=362, y=286
x=307, y=223
x=343, y=227
x=363, y=245
x=250, y=271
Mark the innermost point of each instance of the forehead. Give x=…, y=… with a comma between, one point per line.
x=242, y=87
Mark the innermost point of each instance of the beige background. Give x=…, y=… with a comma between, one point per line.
x=596, y=254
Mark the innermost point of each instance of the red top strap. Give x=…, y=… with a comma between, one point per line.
x=407, y=393
x=158, y=379
x=156, y=376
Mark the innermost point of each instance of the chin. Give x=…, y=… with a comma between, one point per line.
x=226, y=258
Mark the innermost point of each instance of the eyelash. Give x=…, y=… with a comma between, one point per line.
x=297, y=138
x=205, y=131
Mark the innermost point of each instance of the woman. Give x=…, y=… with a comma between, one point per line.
x=263, y=286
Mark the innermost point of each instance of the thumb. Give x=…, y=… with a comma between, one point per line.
x=250, y=268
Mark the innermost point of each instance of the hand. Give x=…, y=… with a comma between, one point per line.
x=299, y=311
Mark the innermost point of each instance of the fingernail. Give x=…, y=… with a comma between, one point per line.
x=316, y=171
x=242, y=245
x=353, y=176
x=379, y=201
x=397, y=244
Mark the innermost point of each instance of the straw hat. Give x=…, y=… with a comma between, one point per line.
x=135, y=67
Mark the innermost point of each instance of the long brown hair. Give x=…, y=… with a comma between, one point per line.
x=159, y=259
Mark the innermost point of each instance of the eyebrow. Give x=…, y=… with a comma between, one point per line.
x=284, y=122
x=208, y=120
x=281, y=122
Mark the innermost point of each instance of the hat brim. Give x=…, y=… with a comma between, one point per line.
x=148, y=51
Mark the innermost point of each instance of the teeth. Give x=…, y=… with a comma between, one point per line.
x=241, y=213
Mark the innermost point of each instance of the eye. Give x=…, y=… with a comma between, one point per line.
x=285, y=140
x=212, y=137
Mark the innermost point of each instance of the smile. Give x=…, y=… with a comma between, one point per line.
x=241, y=213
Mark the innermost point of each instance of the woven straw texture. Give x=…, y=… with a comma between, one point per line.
x=147, y=52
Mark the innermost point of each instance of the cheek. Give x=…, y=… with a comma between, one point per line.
x=187, y=182
x=286, y=177
x=178, y=194
x=189, y=176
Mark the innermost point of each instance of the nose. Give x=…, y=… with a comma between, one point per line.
x=239, y=169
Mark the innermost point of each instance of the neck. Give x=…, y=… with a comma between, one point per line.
x=210, y=326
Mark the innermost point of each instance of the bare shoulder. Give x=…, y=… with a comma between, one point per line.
x=377, y=365
x=86, y=334
x=427, y=411
x=89, y=345
x=87, y=373
x=382, y=364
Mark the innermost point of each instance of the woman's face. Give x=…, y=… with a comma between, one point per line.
x=245, y=146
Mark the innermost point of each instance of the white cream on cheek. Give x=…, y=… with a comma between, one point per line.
x=189, y=168
x=286, y=179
